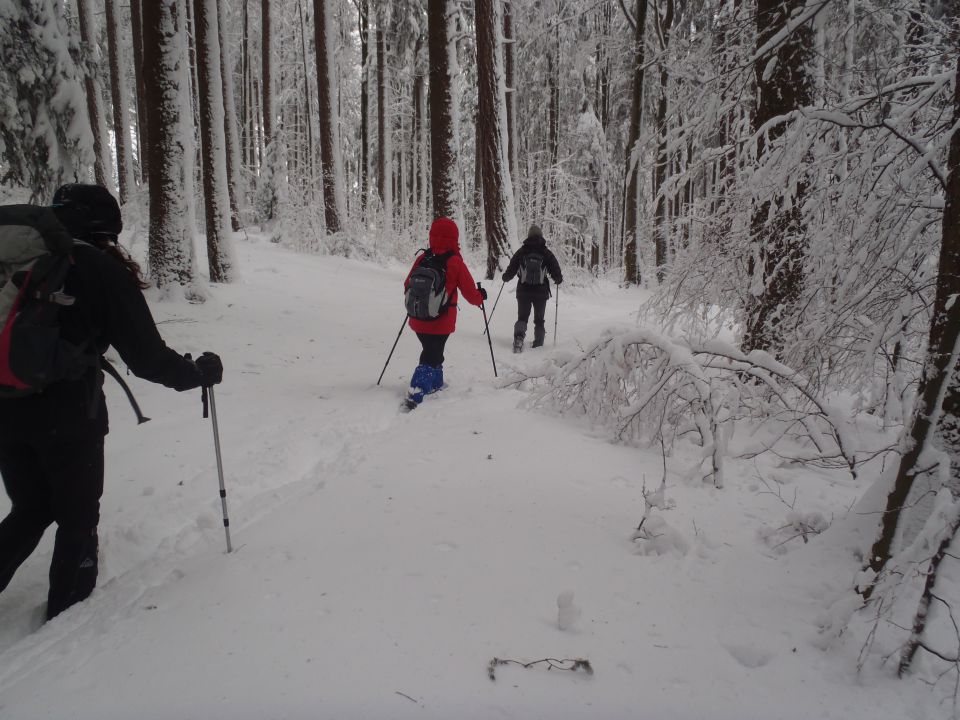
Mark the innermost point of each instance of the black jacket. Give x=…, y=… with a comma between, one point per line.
x=111, y=308
x=534, y=244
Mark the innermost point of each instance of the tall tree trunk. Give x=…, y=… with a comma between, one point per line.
x=171, y=254
x=364, y=31
x=213, y=143
x=121, y=101
x=660, y=169
x=266, y=84
x=510, y=69
x=631, y=219
x=246, y=121
x=333, y=205
x=229, y=121
x=935, y=429
x=102, y=166
x=415, y=157
x=491, y=135
x=776, y=226
x=443, y=152
x=136, y=30
x=384, y=146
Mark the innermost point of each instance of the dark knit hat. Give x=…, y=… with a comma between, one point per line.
x=534, y=231
x=87, y=211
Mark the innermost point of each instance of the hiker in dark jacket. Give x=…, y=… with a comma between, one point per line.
x=428, y=375
x=533, y=261
x=51, y=442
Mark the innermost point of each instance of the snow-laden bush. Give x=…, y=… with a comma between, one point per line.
x=644, y=386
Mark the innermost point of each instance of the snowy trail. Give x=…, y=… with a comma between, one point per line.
x=383, y=558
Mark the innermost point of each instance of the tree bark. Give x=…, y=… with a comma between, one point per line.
x=443, y=152
x=777, y=226
x=364, y=31
x=329, y=148
x=213, y=143
x=266, y=84
x=136, y=29
x=630, y=213
x=510, y=70
x=383, y=140
x=660, y=169
x=229, y=122
x=120, y=100
x=102, y=165
x=171, y=255
x=491, y=117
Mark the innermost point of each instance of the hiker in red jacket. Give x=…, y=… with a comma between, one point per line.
x=444, y=254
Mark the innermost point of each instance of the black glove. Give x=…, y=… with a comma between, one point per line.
x=558, y=282
x=505, y=278
x=211, y=369
x=483, y=293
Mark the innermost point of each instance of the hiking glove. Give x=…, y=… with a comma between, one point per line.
x=504, y=278
x=211, y=368
x=483, y=293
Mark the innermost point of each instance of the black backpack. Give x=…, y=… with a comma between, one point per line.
x=426, y=296
x=533, y=269
x=34, y=261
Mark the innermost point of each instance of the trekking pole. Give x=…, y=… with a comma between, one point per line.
x=494, y=308
x=392, y=349
x=489, y=341
x=556, y=312
x=207, y=392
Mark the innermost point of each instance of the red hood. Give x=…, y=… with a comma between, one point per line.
x=444, y=236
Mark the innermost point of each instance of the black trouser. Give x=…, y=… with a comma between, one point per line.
x=432, y=354
x=54, y=478
x=539, y=305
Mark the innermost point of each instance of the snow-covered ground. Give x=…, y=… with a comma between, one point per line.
x=382, y=559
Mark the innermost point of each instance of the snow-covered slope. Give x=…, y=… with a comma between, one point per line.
x=383, y=559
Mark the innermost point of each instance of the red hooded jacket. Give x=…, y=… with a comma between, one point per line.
x=444, y=238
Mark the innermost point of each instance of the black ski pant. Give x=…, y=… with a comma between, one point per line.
x=53, y=478
x=539, y=306
x=433, y=345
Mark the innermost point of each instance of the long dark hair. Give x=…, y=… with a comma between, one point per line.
x=108, y=244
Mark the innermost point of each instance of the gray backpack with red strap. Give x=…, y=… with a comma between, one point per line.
x=35, y=257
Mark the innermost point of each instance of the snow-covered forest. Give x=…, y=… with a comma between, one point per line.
x=756, y=204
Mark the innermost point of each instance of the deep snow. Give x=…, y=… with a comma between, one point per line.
x=383, y=559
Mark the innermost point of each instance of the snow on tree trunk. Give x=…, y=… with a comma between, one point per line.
x=664, y=22
x=334, y=204
x=102, y=167
x=784, y=83
x=509, y=57
x=363, y=15
x=384, y=144
x=931, y=451
x=171, y=254
x=121, y=101
x=499, y=217
x=631, y=201
x=268, y=152
x=443, y=148
x=229, y=122
x=136, y=31
x=212, y=141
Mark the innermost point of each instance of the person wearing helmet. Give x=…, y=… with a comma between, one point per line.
x=52, y=442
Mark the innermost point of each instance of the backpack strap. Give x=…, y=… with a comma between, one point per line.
x=114, y=373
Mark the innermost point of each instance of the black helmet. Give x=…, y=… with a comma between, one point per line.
x=88, y=211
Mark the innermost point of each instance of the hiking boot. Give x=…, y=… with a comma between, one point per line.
x=538, y=336
x=519, y=333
